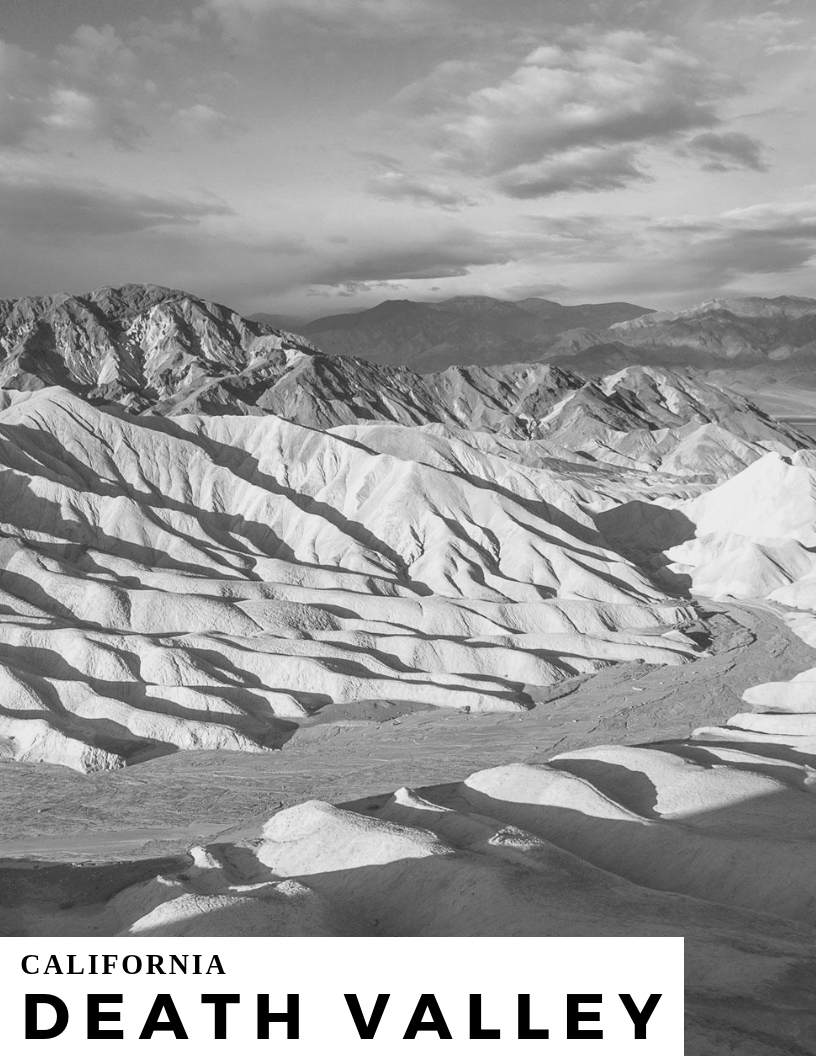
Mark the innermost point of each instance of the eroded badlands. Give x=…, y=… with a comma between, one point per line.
x=492, y=651
x=210, y=582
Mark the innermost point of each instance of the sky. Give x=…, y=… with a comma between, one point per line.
x=308, y=157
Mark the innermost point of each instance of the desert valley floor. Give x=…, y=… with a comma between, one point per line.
x=53, y=815
x=718, y=848
x=298, y=644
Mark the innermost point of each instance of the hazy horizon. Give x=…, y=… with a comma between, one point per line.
x=308, y=316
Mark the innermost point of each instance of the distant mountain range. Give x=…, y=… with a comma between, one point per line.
x=158, y=350
x=769, y=338
x=150, y=348
x=430, y=336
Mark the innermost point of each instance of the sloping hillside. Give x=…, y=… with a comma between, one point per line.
x=212, y=581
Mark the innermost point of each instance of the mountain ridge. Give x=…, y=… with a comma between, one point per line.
x=140, y=345
x=766, y=338
x=151, y=349
x=432, y=335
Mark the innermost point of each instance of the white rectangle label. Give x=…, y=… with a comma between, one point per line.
x=317, y=995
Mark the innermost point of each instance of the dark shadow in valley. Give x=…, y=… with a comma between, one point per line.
x=255, y=720
x=38, y=897
x=644, y=526
x=642, y=532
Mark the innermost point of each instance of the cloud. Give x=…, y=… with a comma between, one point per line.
x=624, y=87
x=588, y=235
x=694, y=258
x=539, y=290
x=366, y=18
x=575, y=115
x=91, y=88
x=98, y=52
x=88, y=114
x=675, y=260
x=395, y=184
x=771, y=30
x=446, y=252
x=587, y=169
x=163, y=38
x=535, y=246
x=38, y=206
x=438, y=97
x=352, y=289
x=21, y=107
x=204, y=120
x=725, y=151
x=98, y=84
x=764, y=239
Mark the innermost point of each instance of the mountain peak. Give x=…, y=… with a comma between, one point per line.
x=475, y=302
x=133, y=344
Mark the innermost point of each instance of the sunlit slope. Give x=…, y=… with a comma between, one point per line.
x=752, y=536
x=208, y=581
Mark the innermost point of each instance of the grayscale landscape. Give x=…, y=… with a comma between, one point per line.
x=295, y=643
x=408, y=479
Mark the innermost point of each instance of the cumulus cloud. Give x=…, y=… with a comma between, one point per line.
x=586, y=169
x=352, y=289
x=98, y=83
x=96, y=86
x=576, y=115
x=624, y=87
x=397, y=185
x=95, y=51
x=22, y=106
x=163, y=38
x=91, y=115
x=91, y=89
x=33, y=206
x=203, y=120
x=366, y=18
x=725, y=151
